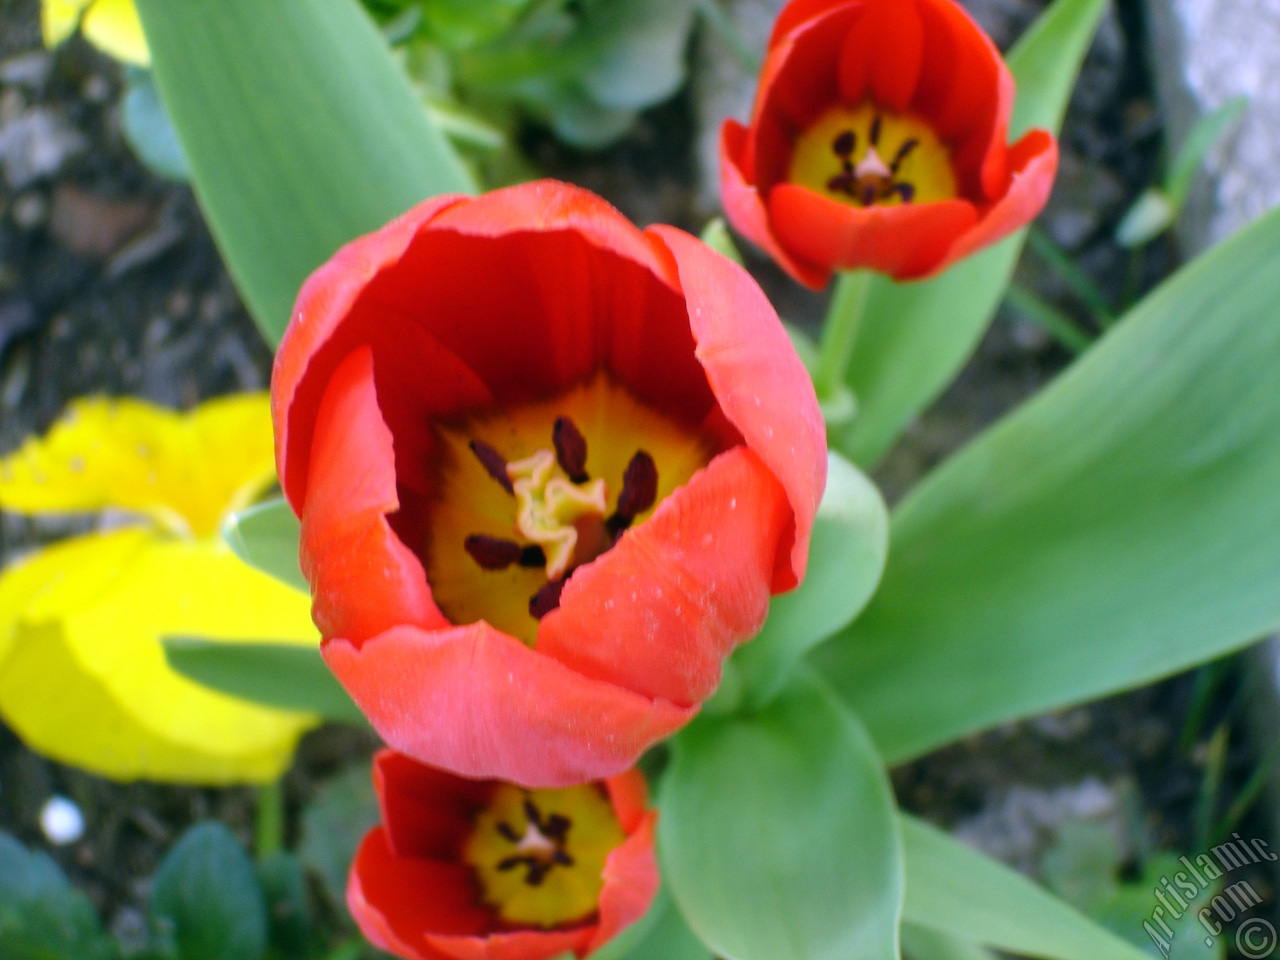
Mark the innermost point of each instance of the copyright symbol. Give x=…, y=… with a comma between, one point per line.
x=1255, y=939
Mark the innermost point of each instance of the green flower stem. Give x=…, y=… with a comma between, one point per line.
x=840, y=330
x=269, y=820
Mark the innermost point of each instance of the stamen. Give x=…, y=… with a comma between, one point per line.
x=875, y=131
x=533, y=556
x=546, y=599
x=494, y=463
x=906, y=191
x=571, y=449
x=845, y=144
x=639, y=491
x=493, y=553
x=901, y=155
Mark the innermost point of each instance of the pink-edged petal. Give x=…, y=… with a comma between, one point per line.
x=325, y=299
x=746, y=211
x=479, y=703
x=348, y=549
x=514, y=945
x=759, y=381
x=426, y=812
x=1033, y=161
x=398, y=901
x=659, y=612
x=630, y=883
x=904, y=241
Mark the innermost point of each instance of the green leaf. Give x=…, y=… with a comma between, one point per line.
x=282, y=675
x=148, y=129
x=778, y=837
x=42, y=917
x=850, y=541
x=661, y=934
x=333, y=824
x=300, y=130
x=265, y=536
x=914, y=337
x=961, y=893
x=207, y=894
x=1120, y=527
x=921, y=943
x=289, y=914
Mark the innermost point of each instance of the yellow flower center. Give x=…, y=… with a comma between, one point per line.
x=866, y=156
x=538, y=855
x=525, y=497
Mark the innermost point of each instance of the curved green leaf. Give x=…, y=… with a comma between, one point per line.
x=281, y=675
x=300, y=131
x=778, y=836
x=850, y=541
x=958, y=892
x=1118, y=528
x=265, y=536
x=914, y=337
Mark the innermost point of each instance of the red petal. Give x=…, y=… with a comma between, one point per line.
x=759, y=382
x=797, y=13
x=426, y=812
x=398, y=901
x=1033, y=161
x=966, y=92
x=746, y=211
x=629, y=795
x=349, y=551
x=324, y=301
x=480, y=703
x=659, y=612
x=630, y=883
x=906, y=241
x=515, y=945
x=883, y=52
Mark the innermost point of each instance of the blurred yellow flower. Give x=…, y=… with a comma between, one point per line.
x=111, y=25
x=83, y=677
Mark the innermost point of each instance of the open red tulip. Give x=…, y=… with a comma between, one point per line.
x=485, y=870
x=878, y=140
x=550, y=469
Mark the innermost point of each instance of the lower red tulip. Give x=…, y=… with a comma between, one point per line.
x=485, y=870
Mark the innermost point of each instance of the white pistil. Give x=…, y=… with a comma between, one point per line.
x=536, y=842
x=871, y=165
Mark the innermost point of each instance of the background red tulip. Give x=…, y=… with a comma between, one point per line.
x=878, y=140
x=549, y=468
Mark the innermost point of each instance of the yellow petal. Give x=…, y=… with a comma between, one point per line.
x=183, y=470
x=59, y=19
x=113, y=26
x=83, y=678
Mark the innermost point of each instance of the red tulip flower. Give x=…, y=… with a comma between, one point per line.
x=878, y=140
x=485, y=870
x=550, y=469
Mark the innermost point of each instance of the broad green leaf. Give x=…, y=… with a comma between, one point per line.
x=342, y=812
x=300, y=130
x=1120, y=527
x=850, y=540
x=961, y=893
x=778, y=836
x=286, y=676
x=914, y=337
x=42, y=917
x=661, y=934
x=206, y=893
x=921, y=943
x=265, y=536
